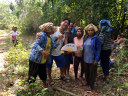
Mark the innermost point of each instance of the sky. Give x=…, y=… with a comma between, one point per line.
x=7, y=1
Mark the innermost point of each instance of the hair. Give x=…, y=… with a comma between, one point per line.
x=74, y=23
x=66, y=19
x=46, y=27
x=14, y=27
x=91, y=26
x=81, y=29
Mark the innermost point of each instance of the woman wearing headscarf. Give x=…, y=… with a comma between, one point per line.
x=105, y=36
x=40, y=53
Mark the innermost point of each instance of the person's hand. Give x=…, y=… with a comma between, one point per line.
x=38, y=35
x=95, y=63
x=60, y=36
x=45, y=54
x=67, y=52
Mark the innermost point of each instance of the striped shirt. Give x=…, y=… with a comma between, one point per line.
x=105, y=40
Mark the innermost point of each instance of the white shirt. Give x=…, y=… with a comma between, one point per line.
x=12, y=33
x=57, y=51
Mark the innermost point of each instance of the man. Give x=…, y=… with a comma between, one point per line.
x=56, y=54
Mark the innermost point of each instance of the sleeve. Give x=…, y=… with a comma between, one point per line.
x=98, y=49
x=18, y=33
x=10, y=34
x=38, y=42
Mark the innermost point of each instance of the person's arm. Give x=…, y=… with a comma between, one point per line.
x=73, y=53
x=66, y=39
x=38, y=47
x=10, y=34
x=38, y=42
x=18, y=33
x=98, y=50
x=56, y=43
x=102, y=38
x=38, y=35
x=59, y=38
x=120, y=41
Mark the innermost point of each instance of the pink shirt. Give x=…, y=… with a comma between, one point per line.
x=79, y=44
x=13, y=37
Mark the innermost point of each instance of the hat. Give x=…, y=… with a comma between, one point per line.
x=46, y=27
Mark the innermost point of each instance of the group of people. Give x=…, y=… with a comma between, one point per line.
x=91, y=48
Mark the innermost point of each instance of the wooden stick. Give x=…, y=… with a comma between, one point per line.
x=65, y=91
x=119, y=73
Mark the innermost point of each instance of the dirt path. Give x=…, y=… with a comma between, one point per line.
x=2, y=62
x=3, y=78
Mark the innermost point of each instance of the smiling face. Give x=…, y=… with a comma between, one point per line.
x=64, y=24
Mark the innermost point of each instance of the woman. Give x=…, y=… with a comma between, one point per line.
x=91, y=54
x=40, y=53
x=105, y=36
x=78, y=41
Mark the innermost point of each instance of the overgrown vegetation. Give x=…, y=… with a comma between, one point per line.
x=17, y=75
x=29, y=14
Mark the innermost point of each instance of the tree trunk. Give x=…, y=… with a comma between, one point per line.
x=123, y=21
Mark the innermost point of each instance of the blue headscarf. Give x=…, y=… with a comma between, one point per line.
x=105, y=26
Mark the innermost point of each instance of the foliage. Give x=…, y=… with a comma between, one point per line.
x=29, y=14
x=18, y=57
x=17, y=69
x=81, y=11
x=31, y=22
x=7, y=19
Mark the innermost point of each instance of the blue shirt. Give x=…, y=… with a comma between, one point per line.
x=74, y=31
x=88, y=51
x=39, y=45
x=95, y=46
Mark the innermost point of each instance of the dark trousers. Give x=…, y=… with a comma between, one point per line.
x=78, y=60
x=15, y=42
x=36, y=69
x=90, y=73
x=105, y=54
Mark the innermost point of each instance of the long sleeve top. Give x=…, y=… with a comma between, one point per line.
x=39, y=45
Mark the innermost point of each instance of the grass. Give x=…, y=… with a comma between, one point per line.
x=18, y=61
